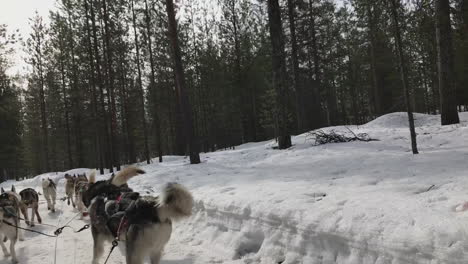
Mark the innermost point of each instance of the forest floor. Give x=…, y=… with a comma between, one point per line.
x=353, y=203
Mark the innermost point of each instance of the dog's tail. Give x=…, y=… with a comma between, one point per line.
x=92, y=177
x=126, y=174
x=176, y=202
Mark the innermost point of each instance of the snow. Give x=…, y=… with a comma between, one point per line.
x=352, y=203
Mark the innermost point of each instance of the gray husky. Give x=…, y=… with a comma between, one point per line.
x=9, y=222
x=81, y=185
x=30, y=199
x=70, y=188
x=144, y=224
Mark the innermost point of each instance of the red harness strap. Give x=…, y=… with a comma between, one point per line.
x=122, y=226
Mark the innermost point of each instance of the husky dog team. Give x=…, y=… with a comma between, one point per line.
x=142, y=223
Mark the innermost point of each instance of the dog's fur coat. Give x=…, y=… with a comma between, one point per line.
x=30, y=199
x=81, y=185
x=70, y=188
x=144, y=223
x=9, y=213
x=49, y=188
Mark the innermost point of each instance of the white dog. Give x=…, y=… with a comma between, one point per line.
x=49, y=189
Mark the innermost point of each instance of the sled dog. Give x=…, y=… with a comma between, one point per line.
x=144, y=224
x=49, y=188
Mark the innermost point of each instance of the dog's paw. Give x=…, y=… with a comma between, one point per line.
x=14, y=261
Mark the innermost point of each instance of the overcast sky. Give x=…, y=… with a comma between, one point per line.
x=16, y=13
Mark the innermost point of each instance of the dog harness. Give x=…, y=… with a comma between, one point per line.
x=128, y=209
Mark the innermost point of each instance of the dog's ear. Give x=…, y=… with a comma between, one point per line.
x=13, y=189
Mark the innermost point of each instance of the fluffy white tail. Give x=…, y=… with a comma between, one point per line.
x=176, y=202
x=126, y=174
x=92, y=177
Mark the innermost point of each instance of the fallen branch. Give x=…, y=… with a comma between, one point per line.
x=322, y=137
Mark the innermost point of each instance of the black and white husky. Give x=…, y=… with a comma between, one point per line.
x=143, y=223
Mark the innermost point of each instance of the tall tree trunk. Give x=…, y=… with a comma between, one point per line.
x=192, y=140
x=404, y=74
x=157, y=123
x=238, y=92
x=65, y=105
x=140, y=86
x=329, y=84
x=111, y=88
x=317, y=85
x=376, y=96
x=98, y=130
x=295, y=68
x=45, y=137
x=76, y=94
x=104, y=116
x=127, y=124
x=445, y=64
x=279, y=73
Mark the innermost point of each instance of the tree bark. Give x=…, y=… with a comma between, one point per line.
x=404, y=74
x=317, y=85
x=65, y=105
x=153, y=84
x=140, y=86
x=98, y=130
x=295, y=68
x=76, y=93
x=184, y=102
x=104, y=116
x=376, y=96
x=111, y=88
x=445, y=64
x=40, y=69
x=279, y=73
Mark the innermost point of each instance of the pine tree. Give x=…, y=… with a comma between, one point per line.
x=279, y=74
x=404, y=73
x=445, y=63
x=192, y=140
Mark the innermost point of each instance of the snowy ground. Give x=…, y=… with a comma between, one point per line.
x=353, y=203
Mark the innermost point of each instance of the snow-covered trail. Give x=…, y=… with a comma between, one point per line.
x=350, y=203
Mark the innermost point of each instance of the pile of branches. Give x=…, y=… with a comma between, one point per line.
x=322, y=137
